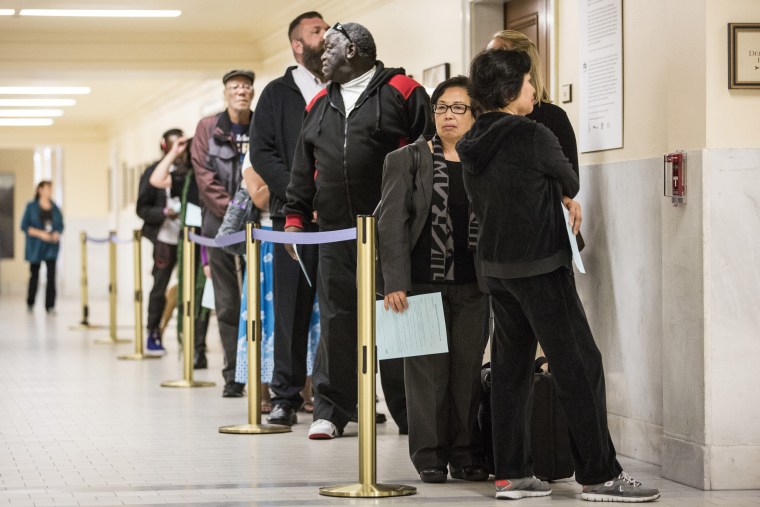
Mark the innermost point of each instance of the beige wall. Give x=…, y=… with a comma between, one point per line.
x=14, y=273
x=675, y=89
x=733, y=116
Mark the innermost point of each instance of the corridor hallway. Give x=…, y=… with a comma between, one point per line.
x=79, y=427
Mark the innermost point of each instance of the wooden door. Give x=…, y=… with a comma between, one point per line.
x=531, y=18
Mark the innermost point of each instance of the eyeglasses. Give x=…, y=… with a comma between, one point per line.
x=240, y=86
x=455, y=108
x=337, y=26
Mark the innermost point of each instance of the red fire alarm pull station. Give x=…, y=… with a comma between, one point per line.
x=674, y=168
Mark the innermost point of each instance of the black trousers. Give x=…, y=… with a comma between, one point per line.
x=293, y=303
x=443, y=390
x=34, y=277
x=334, y=377
x=547, y=309
x=164, y=259
x=227, y=286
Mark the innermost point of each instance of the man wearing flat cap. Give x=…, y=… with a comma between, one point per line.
x=218, y=150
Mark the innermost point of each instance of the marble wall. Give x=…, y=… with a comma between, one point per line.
x=732, y=348
x=672, y=296
x=622, y=295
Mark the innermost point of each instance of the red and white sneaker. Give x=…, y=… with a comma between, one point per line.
x=322, y=429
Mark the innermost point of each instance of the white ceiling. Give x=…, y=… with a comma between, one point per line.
x=129, y=62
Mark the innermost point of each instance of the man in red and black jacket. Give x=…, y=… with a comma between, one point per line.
x=365, y=113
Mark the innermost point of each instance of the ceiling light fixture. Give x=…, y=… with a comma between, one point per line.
x=7, y=12
x=26, y=122
x=37, y=102
x=44, y=90
x=102, y=13
x=30, y=113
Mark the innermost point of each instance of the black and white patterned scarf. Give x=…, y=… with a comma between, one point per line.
x=442, y=240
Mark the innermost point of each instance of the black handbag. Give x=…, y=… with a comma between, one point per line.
x=239, y=211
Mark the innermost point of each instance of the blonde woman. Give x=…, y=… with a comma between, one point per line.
x=552, y=117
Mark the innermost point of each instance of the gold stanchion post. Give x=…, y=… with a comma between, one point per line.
x=139, y=352
x=366, y=369
x=188, y=316
x=112, y=293
x=253, y=334
x=85, y=322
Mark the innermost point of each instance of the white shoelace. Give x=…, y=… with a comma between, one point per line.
x=630, y=480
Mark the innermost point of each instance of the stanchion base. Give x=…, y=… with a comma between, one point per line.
x=368, y=490
x=255, y=429
x=187, y=383
x=109, y=341
x=87, y=327
x=138, y=357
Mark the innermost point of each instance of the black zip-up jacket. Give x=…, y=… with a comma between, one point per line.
x=338, y=165
x=274, y=135
x=516, y=174
x=151, y=202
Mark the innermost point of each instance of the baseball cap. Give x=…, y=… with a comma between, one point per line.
x=238, y=72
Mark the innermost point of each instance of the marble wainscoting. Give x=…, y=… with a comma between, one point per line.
x=732, y=282
x=622, y=294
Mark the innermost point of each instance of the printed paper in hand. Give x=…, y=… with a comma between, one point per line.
x=207, y=300
x=192, y=215
x=420, y=330
x=573, y=241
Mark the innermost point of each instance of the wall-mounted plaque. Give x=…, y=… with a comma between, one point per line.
x=744, y=55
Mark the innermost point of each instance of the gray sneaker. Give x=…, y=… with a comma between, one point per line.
x=519, y=488
x=621, y=489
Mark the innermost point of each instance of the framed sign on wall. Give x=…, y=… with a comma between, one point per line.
x=744, y=55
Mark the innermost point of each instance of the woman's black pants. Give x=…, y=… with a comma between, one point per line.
x=546, y=308
x=34, y=281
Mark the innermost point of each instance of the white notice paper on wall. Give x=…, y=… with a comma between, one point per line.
x=419, y=331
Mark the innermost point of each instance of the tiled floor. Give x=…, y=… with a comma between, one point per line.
x=79, y=427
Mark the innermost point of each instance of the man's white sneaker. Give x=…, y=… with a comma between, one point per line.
x=322, y=429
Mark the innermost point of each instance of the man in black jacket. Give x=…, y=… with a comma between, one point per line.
x=364, y=114
x=161, y=227
x=274, y=134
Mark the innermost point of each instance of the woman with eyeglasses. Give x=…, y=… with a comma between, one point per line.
x=425, y=226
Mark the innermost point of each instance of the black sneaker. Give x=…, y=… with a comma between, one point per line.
x=623, y=488
x=470, y=473
x=283, y=414
x=233, y=390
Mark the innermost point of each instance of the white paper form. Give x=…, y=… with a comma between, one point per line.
x=573, y=241
x=207, y=299
x=192, y=215
x=418, y=331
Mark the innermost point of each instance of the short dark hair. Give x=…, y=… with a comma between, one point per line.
x=363, y=40
x=452, y=82
x=294, y=24
x=497, y=77
x=171, y=132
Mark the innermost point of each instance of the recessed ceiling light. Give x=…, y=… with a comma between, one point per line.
x=37, y=102
x=101, y=13
x=44, y=90
x=7, y=12
x=30, y=113
x=26, y=122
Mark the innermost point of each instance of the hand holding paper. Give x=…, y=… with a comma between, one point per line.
x=418, y=331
